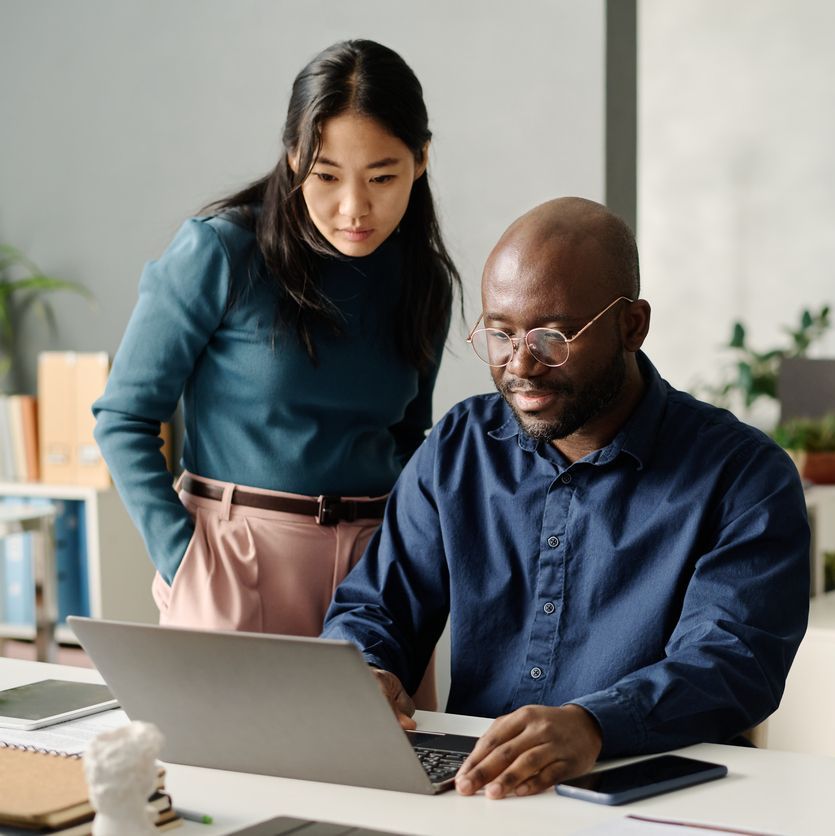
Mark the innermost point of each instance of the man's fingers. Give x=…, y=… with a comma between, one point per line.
x=501, y=730
x=531, y=749
x=400, y=702
x=510, y=766
x=552, y=774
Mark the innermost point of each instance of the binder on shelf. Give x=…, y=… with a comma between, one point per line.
x=17, y=569
x=19, y=577
x=7, y=469
x=28, y=406
x=68, y=384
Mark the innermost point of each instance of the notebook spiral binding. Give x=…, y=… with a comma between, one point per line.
x=41, y=750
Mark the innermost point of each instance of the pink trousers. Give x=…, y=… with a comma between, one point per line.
x=263, y=571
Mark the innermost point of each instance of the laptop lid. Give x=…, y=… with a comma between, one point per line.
x=251, y=702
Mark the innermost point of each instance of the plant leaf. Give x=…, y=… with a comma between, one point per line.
x=737, y=336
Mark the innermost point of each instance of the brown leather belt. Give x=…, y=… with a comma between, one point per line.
x=326, y=510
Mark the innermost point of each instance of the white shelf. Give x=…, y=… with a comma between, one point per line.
x=820, y=501
x=119, y=572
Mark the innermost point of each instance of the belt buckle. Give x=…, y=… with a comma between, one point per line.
x=326, y=512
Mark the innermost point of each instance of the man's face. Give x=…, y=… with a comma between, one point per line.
x=560, y=283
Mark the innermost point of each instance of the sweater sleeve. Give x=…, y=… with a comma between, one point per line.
x=410, y=433
x=182, y=299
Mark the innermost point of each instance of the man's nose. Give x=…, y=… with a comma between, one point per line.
x=354, y=202
x=523, y=363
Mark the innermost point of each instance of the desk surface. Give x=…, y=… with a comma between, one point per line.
x=773, y=792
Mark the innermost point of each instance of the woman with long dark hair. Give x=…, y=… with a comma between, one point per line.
x=302, y=320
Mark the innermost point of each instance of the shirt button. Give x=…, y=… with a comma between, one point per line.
x=549, y=608
x=565, y=478
x=536, y=673
x=553, y=542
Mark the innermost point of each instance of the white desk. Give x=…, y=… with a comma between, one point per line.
x=774, y=792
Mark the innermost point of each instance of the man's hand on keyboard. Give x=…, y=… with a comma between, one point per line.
x=530, y=750
x=400, y=702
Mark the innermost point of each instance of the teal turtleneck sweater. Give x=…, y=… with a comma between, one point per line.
x=257, y=411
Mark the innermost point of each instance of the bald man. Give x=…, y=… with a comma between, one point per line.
x=625, y=568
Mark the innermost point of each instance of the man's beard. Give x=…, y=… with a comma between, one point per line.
x=581, y=405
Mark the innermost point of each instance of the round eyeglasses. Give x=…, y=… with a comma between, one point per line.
x=546, y=345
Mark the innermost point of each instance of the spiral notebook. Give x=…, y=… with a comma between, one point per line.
x=45, y=792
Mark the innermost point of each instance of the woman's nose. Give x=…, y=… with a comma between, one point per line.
x=354, y=202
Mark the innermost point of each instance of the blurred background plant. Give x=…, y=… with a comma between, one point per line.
x=23, y=286
x=814, y=435
x=750, y=375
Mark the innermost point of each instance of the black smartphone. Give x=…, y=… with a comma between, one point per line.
x=651, y=776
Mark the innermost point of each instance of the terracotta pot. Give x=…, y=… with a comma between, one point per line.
x=818, y=468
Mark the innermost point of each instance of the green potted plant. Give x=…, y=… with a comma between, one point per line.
x=751, y=375
x=811, y=443
x=22, y=286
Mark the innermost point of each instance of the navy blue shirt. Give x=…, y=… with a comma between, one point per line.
x=661, y=582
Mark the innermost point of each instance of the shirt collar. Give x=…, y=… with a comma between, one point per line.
x=635, y=438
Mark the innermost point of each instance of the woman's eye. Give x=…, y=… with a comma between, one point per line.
x=383, y=178
x=324, y=176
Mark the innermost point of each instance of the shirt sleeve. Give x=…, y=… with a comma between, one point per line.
x=182, y=300
x=744, y=613
x=394, y=603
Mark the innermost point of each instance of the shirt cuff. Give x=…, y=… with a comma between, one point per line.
x=621, y=724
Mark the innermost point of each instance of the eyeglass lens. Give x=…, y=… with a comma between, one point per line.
x=495, y=347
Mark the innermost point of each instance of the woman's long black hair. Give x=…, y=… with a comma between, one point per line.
x=363, y=77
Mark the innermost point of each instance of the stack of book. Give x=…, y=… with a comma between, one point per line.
x=19, y=459
x=47, y=793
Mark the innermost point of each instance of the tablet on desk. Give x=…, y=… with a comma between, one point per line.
x=51, y=701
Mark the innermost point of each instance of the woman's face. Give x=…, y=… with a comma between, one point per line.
x=357, y=192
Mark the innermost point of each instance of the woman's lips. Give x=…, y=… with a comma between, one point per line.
x=356, y=234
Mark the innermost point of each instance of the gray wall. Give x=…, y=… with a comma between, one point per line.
x=736, y=197
x=120, y=119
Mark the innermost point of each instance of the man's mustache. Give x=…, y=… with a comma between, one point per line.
x=526, y=387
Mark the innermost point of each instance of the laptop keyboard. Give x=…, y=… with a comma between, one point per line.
x=439, y=765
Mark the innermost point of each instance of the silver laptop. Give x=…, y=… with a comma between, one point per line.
x=274, y=705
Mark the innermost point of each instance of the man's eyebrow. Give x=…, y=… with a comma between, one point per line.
x=550, y=317
x=384, y=163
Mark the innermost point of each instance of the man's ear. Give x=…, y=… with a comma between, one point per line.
x=420, y=168
x=635, y=324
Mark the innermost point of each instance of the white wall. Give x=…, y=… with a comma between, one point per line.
x=120, y=119
x=736, y=173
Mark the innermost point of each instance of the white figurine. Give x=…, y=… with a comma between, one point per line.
x=121, y=771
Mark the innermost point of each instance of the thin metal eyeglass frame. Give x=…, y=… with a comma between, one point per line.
x=514, y=341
